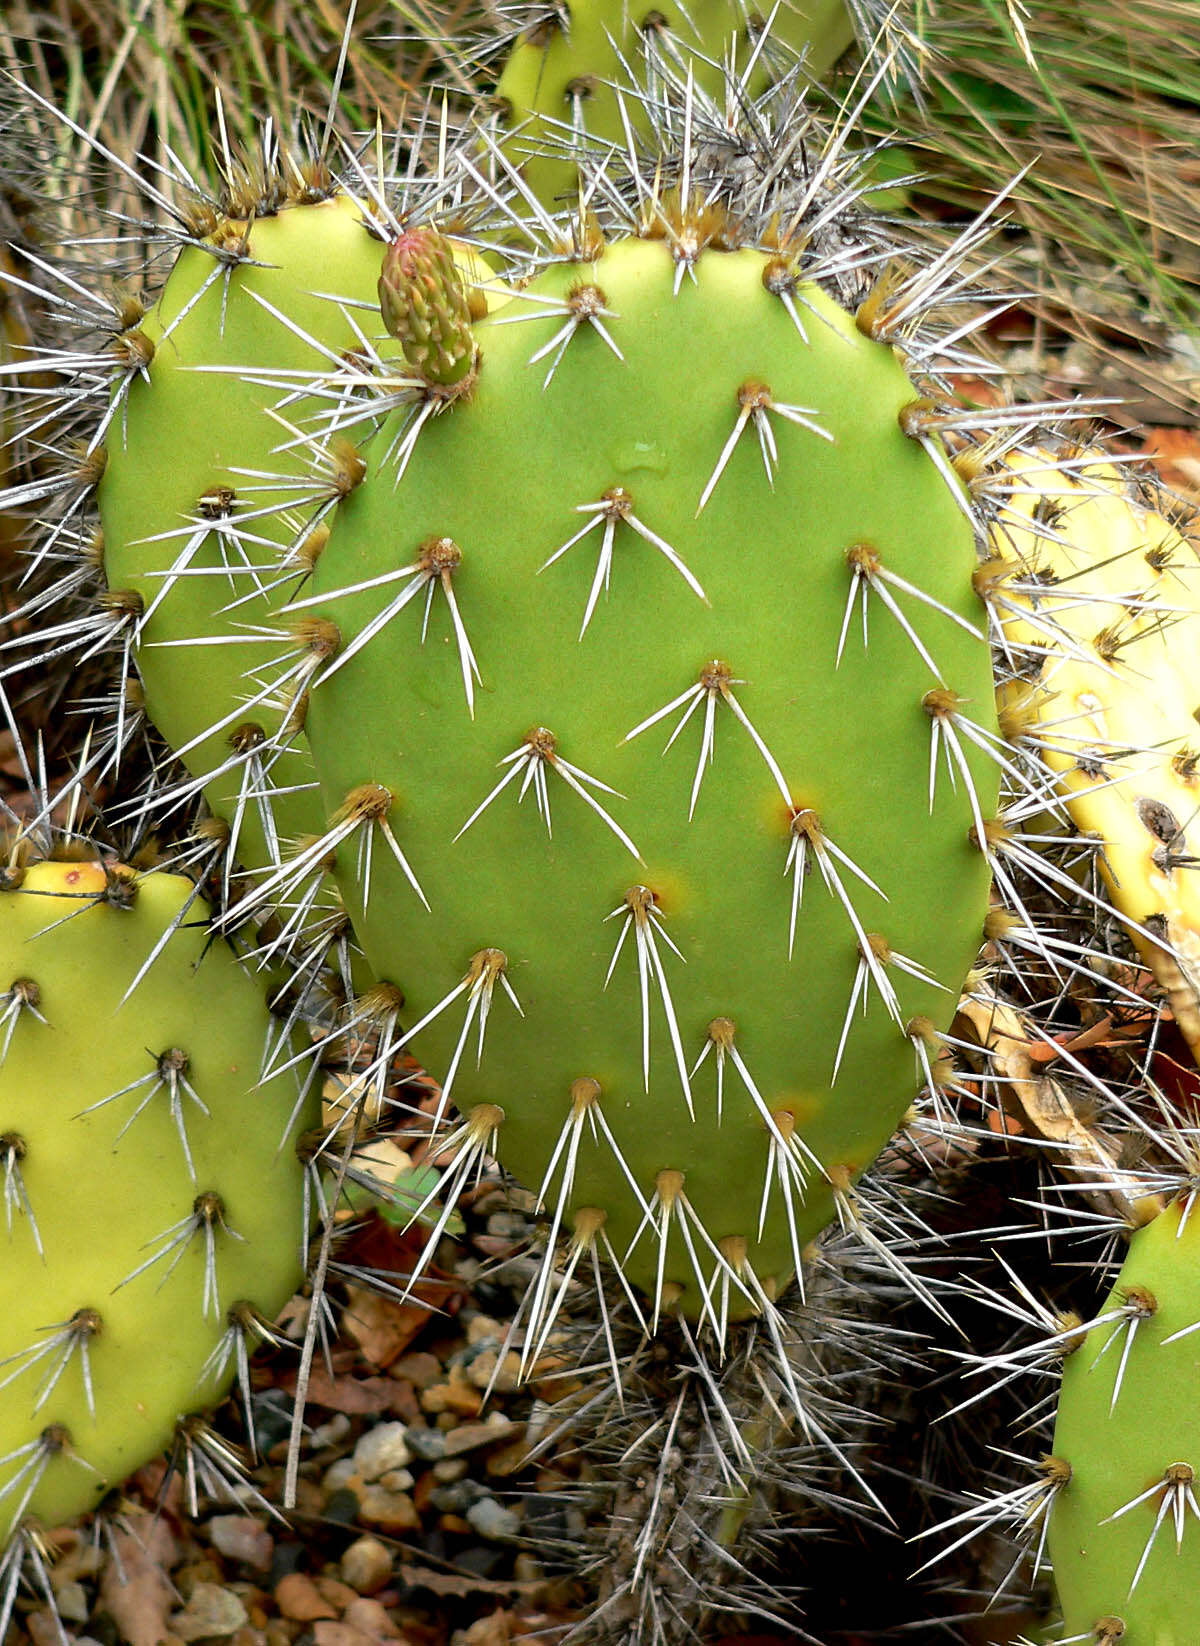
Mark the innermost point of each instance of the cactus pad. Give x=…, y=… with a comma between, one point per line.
x=1105, y=587
x=149, y=1207
x=620, y=797
x=1124, y=1530
x=194, y=459
x=560, y=77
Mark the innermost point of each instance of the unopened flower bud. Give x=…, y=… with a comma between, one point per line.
x=425, y=306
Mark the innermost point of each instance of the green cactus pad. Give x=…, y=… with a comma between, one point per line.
x=1133, y=1450
x=196, y=443
x=560, y=76
x=732, y=610
x=97, y=1361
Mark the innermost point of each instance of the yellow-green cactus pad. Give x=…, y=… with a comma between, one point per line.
x=201, y=496
x=1107, y=589
x=149, y=1206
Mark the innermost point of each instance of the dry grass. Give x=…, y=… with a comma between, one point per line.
x=145, y=75
x=1102, y=104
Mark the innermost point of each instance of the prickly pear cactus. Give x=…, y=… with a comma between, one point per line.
x=654, y=728
x=561, y=75
x=1124, y=1519
x=152, y=1199
x=1105, y=588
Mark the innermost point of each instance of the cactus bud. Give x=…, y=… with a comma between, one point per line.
x=425, y=307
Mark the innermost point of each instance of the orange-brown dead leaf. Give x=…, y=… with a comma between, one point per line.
x=383, y=1328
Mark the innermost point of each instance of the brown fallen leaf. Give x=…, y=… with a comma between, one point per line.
x=464, y=1583
x=1044, y=1106
x=351, y=1395
x=382, y=1328
x=135, y=1589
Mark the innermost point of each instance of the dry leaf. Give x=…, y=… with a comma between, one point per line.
x=464, y=1583
x=352, y=1395
x=382, y=1328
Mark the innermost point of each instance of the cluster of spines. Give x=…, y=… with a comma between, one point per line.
x=769, y=1438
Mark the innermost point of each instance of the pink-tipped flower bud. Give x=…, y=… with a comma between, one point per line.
x=425, y=306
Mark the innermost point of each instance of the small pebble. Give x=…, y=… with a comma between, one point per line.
x=203, y=1569
x=458, y=1395
x=468, y=1437
x=391, y=1511
x=506, y=1460
x=72, y=1602
x=288, y=1558
x=450, y=1468
x=344, y=1505
x=458, y=1496
x=425, y=1443
x=397, y=1480
x=340, y=1634
x=212, y=1612
x=331, y=1433
x=493, y=1521
x=483, y=1329
x=483, y=1374
x=310, y=1499
x=366, y=1565
x=419, y=1369
x=241, y=1537
x=298, y=1597
x=339, y=1595
x=340, y=1474
x=381, y=1449
x=372, y=1618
